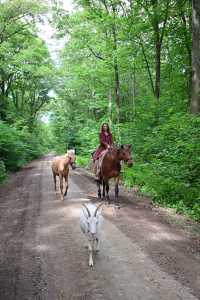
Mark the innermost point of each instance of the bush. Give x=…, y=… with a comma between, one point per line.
x=168, y=165
x=82, y=161
x=18, y=146
x=2, y=171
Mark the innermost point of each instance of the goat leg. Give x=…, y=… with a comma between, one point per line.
x=97, y=245
x=90, y=247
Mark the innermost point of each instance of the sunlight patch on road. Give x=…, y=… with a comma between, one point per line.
x=42, y=248
x=36, y=174
x=165, y=236
x=49, y=229
x=75, y=211
x=81, y=200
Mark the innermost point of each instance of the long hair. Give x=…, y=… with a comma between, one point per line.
x=102, y=130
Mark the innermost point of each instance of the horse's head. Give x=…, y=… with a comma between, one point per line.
x=124, y=153
x=72, y=157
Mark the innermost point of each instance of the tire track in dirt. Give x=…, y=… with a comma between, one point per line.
x=19, y=208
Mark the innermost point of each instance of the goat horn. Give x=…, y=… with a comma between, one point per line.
x=89, y=215
x=95, y=214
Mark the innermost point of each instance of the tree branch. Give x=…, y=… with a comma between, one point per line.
x=95, y=54
x=147, y=67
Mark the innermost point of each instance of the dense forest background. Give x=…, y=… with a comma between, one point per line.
x=134, y=64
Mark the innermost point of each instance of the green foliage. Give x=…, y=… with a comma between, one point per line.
x=104, y=40
x=105, y=36
x=18, y=147
x=82, y=161
x=2, y=171
x=171, y=168
x=26, y=77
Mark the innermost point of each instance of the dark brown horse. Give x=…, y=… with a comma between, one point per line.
x=111, y=167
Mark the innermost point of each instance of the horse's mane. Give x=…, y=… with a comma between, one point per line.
x=116, y=146
x=113, y=149
x=70, y=152
x=119, y=146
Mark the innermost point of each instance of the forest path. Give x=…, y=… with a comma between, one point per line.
x=42, y=253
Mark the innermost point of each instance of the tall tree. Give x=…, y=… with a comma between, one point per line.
x=195, y=98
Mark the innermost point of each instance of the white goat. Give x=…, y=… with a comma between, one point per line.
x=90, y=222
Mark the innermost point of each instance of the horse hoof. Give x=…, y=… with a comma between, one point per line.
x=117, y=205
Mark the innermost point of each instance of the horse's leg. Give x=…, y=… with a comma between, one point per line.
x=66, y=184
x=107, y=192
x=103, y=189
x=54, y=178
x=61, y=186
x=99, y=189
x=117, y=192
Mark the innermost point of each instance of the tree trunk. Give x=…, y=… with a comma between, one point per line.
x=117, y=92
x=3, y=102
x=133, y=92
x=187, y=29
x=116, y=68
x=148, y=67
x=110, y=107
x=194, y=104
x=157, y=80
x=158, y=42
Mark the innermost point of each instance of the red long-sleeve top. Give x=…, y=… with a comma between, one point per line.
x=105, y=141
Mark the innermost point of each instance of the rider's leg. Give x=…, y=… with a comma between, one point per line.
x=97, y=169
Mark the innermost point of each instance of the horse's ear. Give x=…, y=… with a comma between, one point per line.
x=129, y=146
x=122, y=147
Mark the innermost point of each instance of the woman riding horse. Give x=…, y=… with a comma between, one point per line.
x=106, y=141
x=107, y=163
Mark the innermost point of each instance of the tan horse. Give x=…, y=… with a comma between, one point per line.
x=60, y=167
x=110, y=168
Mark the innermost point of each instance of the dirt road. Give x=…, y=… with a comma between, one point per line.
x=42, y=253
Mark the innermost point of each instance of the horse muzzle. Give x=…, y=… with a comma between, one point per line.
x=73, y=165
x=129, y=163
